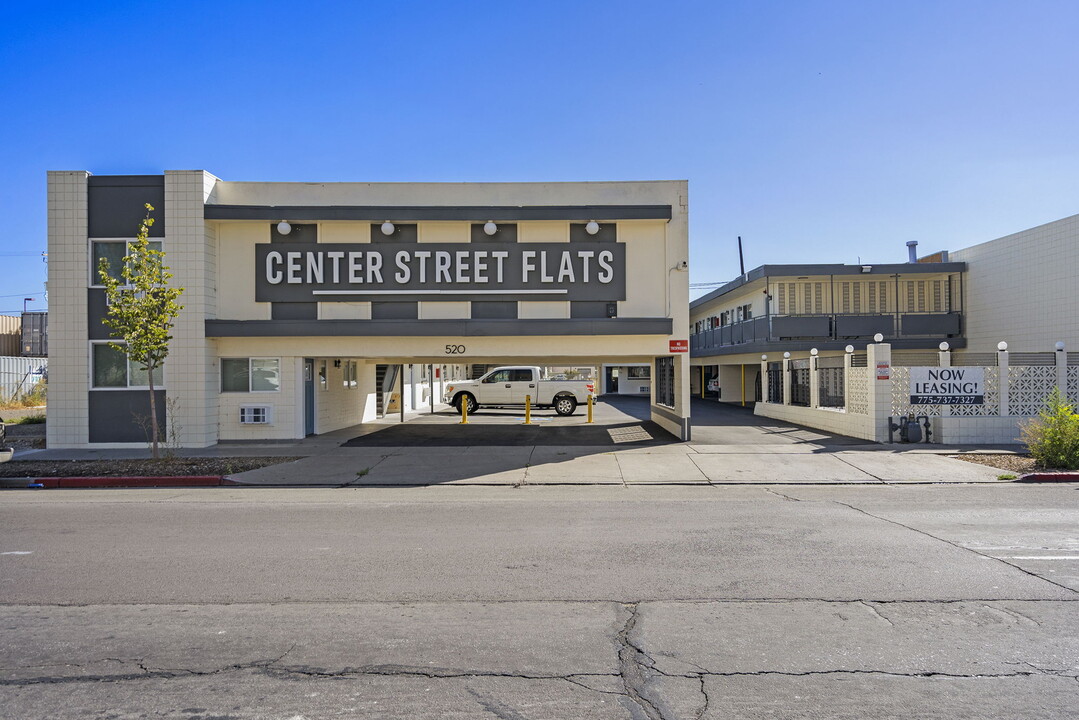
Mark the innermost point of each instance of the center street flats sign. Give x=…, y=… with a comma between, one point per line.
x=349, y=272
x=947, y=386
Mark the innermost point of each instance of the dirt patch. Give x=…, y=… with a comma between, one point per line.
x=137, y=468
x=1016, y=464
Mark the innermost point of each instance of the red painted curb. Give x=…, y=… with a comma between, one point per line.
x=1069, y=477
x=134, y=482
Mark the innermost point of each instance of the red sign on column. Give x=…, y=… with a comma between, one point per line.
x=679, y=346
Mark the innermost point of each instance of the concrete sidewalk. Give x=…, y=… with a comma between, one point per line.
x=731, y=446
x=673, y=465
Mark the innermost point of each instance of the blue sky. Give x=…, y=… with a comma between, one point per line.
x=818, y=131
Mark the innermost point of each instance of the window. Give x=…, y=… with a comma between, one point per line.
x=665, y=381
x=113, y=251
x=112, y=369
x=502, y=376
x=250, y=374
x=323, y=379
x=522, y=375
x=640, y=373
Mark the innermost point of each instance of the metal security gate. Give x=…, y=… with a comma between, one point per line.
x=775, y=382
x=830, y=381
x=800, y=382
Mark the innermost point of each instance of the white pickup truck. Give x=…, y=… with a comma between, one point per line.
x=507, y=386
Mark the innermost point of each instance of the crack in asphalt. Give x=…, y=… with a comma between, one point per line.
x=631, y=666
x=955, y=545
x=876, y=612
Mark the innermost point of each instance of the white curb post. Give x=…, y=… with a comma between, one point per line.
x=814, y=380
x=879, y=355
x=1062, y=369
x=1003, y=381
x=786, y=378
x=945, y=360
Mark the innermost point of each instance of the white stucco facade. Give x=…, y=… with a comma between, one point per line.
x=211, y=229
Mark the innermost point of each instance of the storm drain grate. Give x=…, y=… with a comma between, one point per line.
x=629, y=434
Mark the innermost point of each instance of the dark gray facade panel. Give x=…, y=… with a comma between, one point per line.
x=114, y=415
x=485, y=310
x=294, y=310
x=930, y=324
x=389, y=268
x=810, y=326
x=436, y=328
x=96, y=309
x=582, y=309
x=418, y=213
x=507, y=233
x=303, y=234
x=300, y=233
x=395, y=310
x=402, y=233
x=850, y=326
x=608, y=232
x=115, y=205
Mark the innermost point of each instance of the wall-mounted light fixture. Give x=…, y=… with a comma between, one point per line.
x=283, y=227
x=867, y=268
x=592, y=227
x=490, y=228
x=337, y=363
x=387, y=228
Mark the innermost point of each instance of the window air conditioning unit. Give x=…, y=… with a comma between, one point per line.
x=256, y=415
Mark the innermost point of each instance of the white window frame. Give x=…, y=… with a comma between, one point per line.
x=129, y=386
x=249, y=391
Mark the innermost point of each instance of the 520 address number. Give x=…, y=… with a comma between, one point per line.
x=455, y=349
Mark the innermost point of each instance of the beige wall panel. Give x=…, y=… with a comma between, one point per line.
x=433, y=349
x=445, y=310
x=444, y=232
x=646, y=262
x=344, y=232
x=557, y=309
x=286, y=403
x=1021, y=289
x=236, y=271
x=546, y=232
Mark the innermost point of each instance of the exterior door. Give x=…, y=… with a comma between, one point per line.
x=497, y=388
x=308, y=396
x=521, y=383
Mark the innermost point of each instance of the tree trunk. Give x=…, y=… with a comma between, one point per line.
x=153, y=413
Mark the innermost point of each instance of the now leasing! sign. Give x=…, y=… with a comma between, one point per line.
x=947, y=386
x=347, y=272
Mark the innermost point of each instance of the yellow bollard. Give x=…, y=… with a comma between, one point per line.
x=464, y=411
x=589, y=407
x=528, y=409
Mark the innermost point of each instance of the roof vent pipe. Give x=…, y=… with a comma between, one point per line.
x=912, y=251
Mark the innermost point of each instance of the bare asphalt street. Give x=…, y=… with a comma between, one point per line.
x=787, y=601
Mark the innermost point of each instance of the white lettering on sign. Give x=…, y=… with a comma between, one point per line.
x=404, y=272
x=294, y=272
x=335, y=262
x=605, y=259
x=947, y=386
x=293, y=264
x=314, y=267
x=273, y=268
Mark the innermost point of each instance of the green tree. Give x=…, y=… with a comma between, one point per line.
x=141, y=310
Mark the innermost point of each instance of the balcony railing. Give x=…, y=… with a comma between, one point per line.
x=821, y=328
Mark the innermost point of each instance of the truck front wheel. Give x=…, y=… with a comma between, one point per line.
x=466, y=398
x=565, y=405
